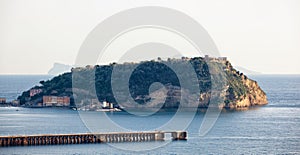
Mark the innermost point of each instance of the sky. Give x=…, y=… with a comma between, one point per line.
x=260, y=35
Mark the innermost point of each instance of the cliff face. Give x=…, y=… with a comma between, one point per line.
x=255, y=96
x=249, y=92
x=218, y=82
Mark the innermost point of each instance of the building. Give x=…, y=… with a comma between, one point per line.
x=34, y=92
x=206, y=57
x=56, y=101
x=105, y=104
x=2, y=100
x=222, y=58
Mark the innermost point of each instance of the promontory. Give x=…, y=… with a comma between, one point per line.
x=168, y=83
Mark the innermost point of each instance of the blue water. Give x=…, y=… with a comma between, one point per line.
x=11, y=86
x=270, y=129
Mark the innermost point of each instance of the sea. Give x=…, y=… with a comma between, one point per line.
x=269, y=129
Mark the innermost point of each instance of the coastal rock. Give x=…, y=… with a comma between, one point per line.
x=255, y=95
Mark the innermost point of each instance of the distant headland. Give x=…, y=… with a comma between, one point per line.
x=238, y=92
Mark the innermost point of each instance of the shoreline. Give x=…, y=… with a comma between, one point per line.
x=199, y=109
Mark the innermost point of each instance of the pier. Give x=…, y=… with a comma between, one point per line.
x=85, y=138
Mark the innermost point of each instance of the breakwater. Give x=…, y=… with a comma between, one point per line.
x=85, y=138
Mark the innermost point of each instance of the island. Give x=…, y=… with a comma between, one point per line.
x=218, y=83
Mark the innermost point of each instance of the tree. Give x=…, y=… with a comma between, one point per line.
x=42, y=82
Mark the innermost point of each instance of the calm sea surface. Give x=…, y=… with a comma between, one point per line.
x=270, y=129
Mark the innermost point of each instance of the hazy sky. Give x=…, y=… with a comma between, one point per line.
x=260, y=35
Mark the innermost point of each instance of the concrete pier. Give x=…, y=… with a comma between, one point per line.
x=84, y=138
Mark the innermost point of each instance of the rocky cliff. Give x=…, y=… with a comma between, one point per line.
x=254, y=96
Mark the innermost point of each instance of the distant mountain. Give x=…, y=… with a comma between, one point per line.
x=59, y=68
x=247, y=71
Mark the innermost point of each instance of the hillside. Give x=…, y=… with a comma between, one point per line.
x=217, y=83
